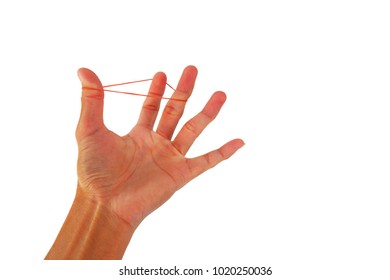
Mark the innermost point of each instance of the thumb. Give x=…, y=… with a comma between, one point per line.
x=91, y=117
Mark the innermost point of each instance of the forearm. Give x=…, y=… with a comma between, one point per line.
x=91, y=231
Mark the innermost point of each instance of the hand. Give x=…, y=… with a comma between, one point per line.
x=135, y=174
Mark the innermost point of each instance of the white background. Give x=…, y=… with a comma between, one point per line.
x=308, y=91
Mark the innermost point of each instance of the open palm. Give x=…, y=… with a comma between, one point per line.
x=134, y=174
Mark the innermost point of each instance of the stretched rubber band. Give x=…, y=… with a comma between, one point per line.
x=137, y=94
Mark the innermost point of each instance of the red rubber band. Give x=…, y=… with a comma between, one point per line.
x=136, y=94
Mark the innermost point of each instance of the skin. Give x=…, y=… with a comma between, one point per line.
x=121, y=180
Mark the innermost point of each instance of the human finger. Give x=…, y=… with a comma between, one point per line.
x=174, y=108
x=200, y=164
x=194, y=127
x=92, y=97
x=152, y=102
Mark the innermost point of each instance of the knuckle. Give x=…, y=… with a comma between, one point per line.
x=172, y=111
x=221, y=155
x=151, y=107
x=207, y=158
x=192, y=128
x=86, y=98
x=207, y=116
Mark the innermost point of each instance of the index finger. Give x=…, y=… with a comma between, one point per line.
x=152, y=102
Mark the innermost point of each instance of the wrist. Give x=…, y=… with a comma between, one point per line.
x=91, y=231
